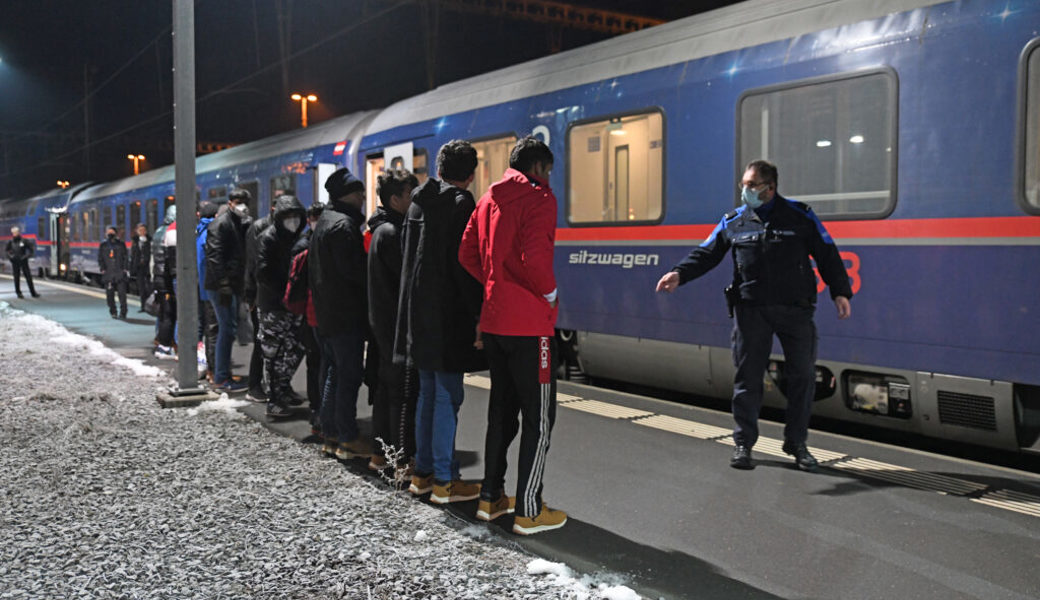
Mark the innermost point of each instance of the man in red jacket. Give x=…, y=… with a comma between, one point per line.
x=508, y=246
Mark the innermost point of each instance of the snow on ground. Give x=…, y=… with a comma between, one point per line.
x=105, y=495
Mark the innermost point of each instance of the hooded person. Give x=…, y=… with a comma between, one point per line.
x=225, y=272
x=163, y=285
x=337, y=274
x=438, y=313
x=112, y=262
x=281, y=348
x=207, y=318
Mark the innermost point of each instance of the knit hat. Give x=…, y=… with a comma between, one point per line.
x=342, y=183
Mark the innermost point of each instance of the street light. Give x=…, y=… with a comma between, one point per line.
x=303, y=100
x=137, y=158
x=63, y=183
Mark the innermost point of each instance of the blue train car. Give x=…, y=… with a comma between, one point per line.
x=911, y=128
x=40, y=219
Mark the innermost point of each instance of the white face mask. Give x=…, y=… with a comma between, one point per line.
x=291, y=223
x=242, y=209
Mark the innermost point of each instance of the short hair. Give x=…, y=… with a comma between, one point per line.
x=393, y=182
x=111, y=228
x=240, y=194
x=139, y=225
x=528, y=152
x=765, y=169
x=207, y=210
x=456, y=160
x=314, y=210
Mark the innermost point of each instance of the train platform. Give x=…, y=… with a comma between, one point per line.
x=650, y=495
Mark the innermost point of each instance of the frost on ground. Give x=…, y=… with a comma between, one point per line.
x=105, y=495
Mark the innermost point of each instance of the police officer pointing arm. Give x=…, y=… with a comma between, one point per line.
x=773, y=293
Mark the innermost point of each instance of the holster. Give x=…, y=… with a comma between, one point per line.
x=732, y=293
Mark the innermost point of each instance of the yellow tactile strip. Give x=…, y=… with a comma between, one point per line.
x=861, y=467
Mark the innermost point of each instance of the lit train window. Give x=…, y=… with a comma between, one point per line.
x=492, y=162
x=833, y=141
x=375, y=164
x=1031, y=105
x=217, y=194
x=615, y=170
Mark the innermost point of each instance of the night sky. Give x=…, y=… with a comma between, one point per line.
x=354, y=54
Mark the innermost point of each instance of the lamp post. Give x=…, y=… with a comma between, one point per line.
x=63, y=183
x=303, y=100
x=137, y=158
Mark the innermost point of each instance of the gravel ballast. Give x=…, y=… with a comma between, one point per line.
x=103, y=494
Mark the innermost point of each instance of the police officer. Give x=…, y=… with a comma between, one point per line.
x=773, y=292
x=114, y=274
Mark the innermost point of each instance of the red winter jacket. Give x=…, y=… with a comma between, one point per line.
x=508, y=246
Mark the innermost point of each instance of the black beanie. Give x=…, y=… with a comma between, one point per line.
x=342, y=183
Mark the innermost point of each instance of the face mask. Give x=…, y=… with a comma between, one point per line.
x=111, y=237
x=143, y=238
x=291, y=223
x=242, y=209
x=18, y=237
x=750, y=197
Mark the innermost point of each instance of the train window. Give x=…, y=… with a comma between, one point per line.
x=217, y=194
x=135, y=217
x=73, y=225
x=152, y=220
x=121, y=221
x=492, y=162
x=1031, y=122
x=615, y=170
x=41, y=229
x=253, y=187
x=283, y=184
x=833, y=140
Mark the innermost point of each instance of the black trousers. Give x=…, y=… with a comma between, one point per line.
x=314, y=383
x=393, y=408
x=144, y=280
x=208, y=324
x=20, y=267
x=753, y=330
x=111, y=287
x=256, y=359
x=523, y=394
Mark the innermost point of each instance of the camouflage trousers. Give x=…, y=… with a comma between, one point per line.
x=281, y=348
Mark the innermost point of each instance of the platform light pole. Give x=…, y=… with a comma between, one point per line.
x=303, y=100
x=63, y=183
x=137, y=158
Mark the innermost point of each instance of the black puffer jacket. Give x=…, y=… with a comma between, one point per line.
x=226, y=253
x=253, y=233
x=112, y=260
x=274, y=254
x=384, y=277
x=20, y=248
x=336, y=269
x=440, y=302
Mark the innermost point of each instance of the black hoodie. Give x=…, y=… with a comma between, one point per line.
x=440, y=302
x=274, y=254
x=384, y=277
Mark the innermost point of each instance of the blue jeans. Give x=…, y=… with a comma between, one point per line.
x=436, y=415
x=227, y=325
x=344, y=356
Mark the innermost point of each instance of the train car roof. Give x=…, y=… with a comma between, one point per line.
x=326, y=132
x=721, y=30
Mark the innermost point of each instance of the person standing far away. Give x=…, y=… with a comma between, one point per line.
x=773, y=293
x=225, y=271
x=508, y=247
x=114, y=275
x=140, y=262
x=19, y=251
x=393, y=415
x=279, y=328
x=336, y=270
x=257, y=390
x=437, y=319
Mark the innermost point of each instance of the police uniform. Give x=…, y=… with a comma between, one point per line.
x=774, y=292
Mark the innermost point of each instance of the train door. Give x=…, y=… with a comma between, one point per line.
x=401, y=156
x=492, y=162
x=59, y=234
x=321, y=174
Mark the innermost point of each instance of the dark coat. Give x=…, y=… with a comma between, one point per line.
x=226, y=253
x=253, y=233
x=440, y=302
x=21, y=249
x=274, y=254
x=336, y=269
x=384, y=277
x=141, y=254
x=112, y=260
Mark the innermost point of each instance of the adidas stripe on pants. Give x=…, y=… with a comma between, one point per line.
x=523, y=392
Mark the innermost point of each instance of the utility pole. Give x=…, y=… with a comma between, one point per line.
x=284, y=39
x=86, y=117
x=188, y=390
x=431, y=23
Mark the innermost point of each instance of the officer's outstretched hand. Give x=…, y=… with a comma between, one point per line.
x=844, y=307
x=669, y=282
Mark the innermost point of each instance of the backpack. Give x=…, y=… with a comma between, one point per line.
x=297, y=290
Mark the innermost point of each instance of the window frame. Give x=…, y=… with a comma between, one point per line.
x=1021, y=134
x=488, y=138
x=820, y=80
x=664, y=167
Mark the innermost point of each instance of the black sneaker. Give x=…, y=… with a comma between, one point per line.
x=802, y=457
x=20, y=295
x=35, y=295
x=295, y=398
x=741, y=458
x=257, y=396
x=277, y=410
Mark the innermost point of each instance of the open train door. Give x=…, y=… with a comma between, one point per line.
x=320, y=175
x=59, y=236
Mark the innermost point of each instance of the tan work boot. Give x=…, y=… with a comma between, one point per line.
x=544, y=521
x=489, y=510
x=358, y=448
x=421, y=485
x=378, y=462
x=455, y=491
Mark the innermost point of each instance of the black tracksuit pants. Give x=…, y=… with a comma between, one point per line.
x=523, y=394
x=111, y=288
x=21, y=267
x=393, y=408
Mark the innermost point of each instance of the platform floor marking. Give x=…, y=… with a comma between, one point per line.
x=774, y=447
x=1011, y=500
x=606, y=409
x=910, y=477
x=94, y=293
x=692, y=429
